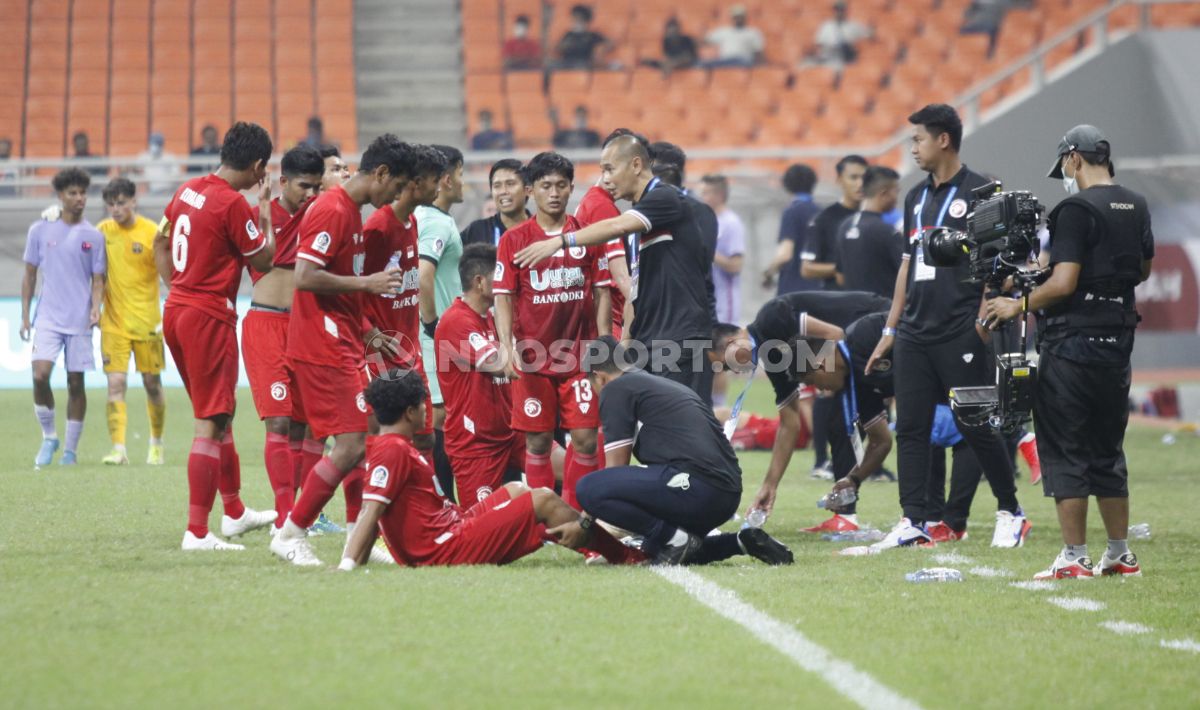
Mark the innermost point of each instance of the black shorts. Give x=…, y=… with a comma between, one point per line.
x=1080, y=415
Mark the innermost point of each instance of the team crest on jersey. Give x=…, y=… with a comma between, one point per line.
x=577, y=252
x=251, y=229
x=321, y=242
x=533, y=407
x=883, y=365
x=477, y=341
x=584, y=407
x=482, y=492
x=958, y=208
x=278, y=391
x=360, y=402
x=138, y=248
x=499, y=275
x=379, y=477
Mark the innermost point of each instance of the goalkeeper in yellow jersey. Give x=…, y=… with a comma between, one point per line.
x=131, y=320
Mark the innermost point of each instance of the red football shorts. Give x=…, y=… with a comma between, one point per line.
x=332, y=398
x=480, y=471
x=264, y=348
x=427, y=428
x=542, y=403
x=495, y=531
x=205, y=350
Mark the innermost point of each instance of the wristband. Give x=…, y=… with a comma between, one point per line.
x=563, y=238
x=347, y=565
x=889, y=331
x=571, y=239
x=429, y=328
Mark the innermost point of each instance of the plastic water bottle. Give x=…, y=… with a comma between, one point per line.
x=755, y=518
x=1141, y=531
x=935, y=574
x=860, y=535
x=838, y=499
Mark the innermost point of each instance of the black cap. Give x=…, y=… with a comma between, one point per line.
x=1084, y=138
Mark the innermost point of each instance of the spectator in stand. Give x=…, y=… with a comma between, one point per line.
x=679, y=50
x=738, y=45
x=519, y=51
x=83, y=150
x=577, y=48
x=794, y=227
x=985, y=17
x=731, y=248
x=581, y=136
x=488, y=138
x=316, y=133
x=6, y=174
x=837, y=38
x=209, y=147
x=159, y=170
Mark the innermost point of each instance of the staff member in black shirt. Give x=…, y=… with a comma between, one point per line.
x=507, y=180
x=668, y=261
x=795, y=229
x=870, y=249
x=939, y=340
x=1101, y=247
x=818, y=260
x=689, y=481
x=767, y=342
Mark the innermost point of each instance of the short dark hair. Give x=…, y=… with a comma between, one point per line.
x=70, y=177
x=604, y=354
x=1098, y=158
x=245, y=144
x=549, y=163
x=668, y=162
x=721, y=334
x=507, y=164
x=329, y=151
x=799, y=178
x=208, y=127
x=939, y=119
x=454, y=156
x=876, y=178
x=427, y=160
x=852, y=159
x=582, y=11
x=718, y=181
x=618, y=132
x=390, y=151
x=395, y=393
x=118, y=187
x=477, y=259
x=302, y=160
x=315, y=122
x=522, y=20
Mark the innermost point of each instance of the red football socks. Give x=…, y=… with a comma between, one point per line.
x=311, y=452
x=577, y=467
x=352, y=489
x=204, y=465
x=279, y=460
x=319, y=486
x=229, y=481
x=538, y=471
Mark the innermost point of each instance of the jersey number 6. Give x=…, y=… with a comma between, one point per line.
x=179, y=242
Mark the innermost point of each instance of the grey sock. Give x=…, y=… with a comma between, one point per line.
x=1073, y=552
x=1116, y=548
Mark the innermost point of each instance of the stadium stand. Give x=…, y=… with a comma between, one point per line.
x=178, y=65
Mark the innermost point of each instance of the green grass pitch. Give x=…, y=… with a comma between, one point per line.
x=99, y=608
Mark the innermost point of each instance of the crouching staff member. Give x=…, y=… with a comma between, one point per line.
x=1101, y=247
x=690, y=481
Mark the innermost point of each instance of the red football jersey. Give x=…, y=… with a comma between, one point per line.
x=477, y=403
x=597, y=205
x=552, y=301
x=326, y=329
x=391, y=243
x=279, y=218
x=212, y=228
x=287, y=238
x=419, y=517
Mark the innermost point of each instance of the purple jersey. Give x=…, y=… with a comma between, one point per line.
x=68, y=255
x=727, y=288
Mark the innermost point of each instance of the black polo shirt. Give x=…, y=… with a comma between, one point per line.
x=672, y=258
x=940, y=302
x=869, y=254
x=822, y=238
x=870, y=390
x=487, y=230
x=667, y=423
x=782, y=319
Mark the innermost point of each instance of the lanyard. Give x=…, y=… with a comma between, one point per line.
x=496, y=232
x=941, y=214
x=731, y=423
x=849, y=400
x=635, y=243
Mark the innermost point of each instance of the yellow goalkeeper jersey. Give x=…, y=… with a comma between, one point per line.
x=131, y=299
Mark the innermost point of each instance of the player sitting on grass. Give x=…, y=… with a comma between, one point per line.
x=404, y=501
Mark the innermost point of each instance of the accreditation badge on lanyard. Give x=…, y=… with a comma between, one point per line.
x=850, y=408
x=925, y=272
x=634, y=244
x=731, y=423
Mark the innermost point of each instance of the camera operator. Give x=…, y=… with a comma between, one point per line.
x=938, y=337
x=1101, y=246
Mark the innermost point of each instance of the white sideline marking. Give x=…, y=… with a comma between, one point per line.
x=951, y=558
x=841, y=675
x=1076, y=603
x=1181, y=645
x=1125, y=628
x=1036, y=585
x=989, y=572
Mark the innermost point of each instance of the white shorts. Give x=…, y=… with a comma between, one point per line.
x=79, y=357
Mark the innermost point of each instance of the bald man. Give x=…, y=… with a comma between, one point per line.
x=668, y=264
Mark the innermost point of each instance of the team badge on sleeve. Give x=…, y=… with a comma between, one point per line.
x=438, y=246
x=321, y=242
x=379, y=477
x=251, y=229
x=477, y=340
x=499, y=275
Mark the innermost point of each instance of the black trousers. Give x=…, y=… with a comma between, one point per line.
x=820, y=428
x=840, y=449
x=689, y=368
x=964, y=480
x=924, y=376
x=1080, y=414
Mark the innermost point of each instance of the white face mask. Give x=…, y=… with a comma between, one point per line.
x=1070, y=184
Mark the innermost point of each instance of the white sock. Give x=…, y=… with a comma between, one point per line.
x=45, y=417
x=155, y=441
x=119, y=447
x=679, y=538
x=74, y=431
x=291, y=530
